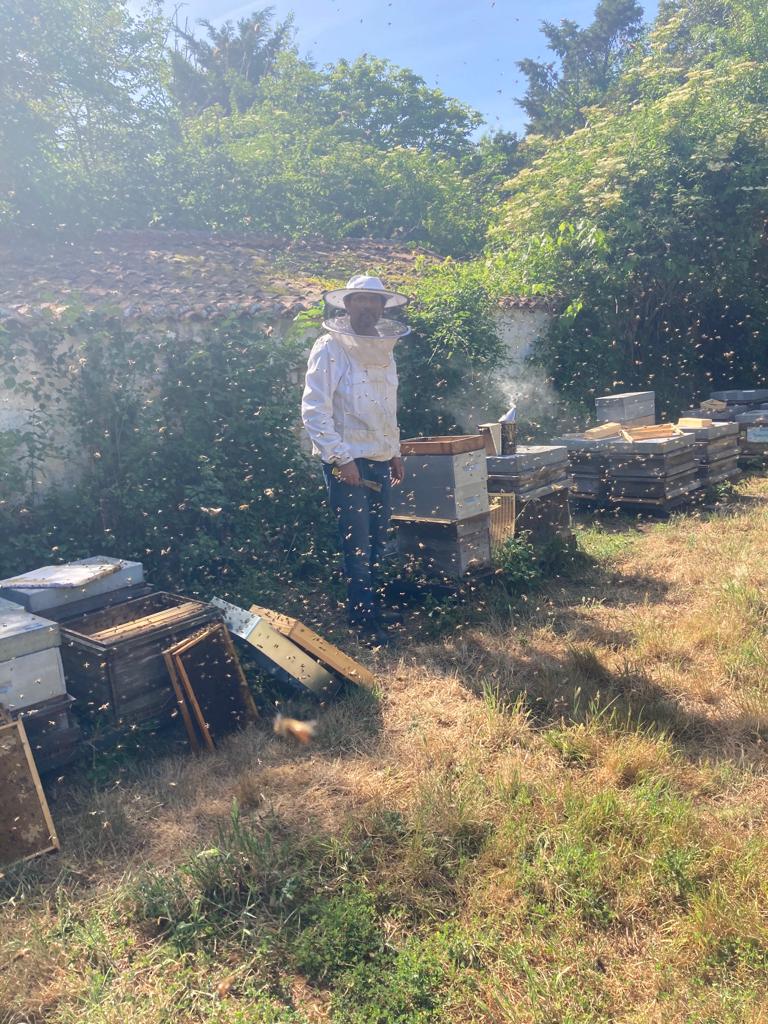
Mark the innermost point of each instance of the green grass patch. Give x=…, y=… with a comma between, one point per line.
x=606, y=543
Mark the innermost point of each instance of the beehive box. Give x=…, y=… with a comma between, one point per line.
x=441, y=484
x=727, y=415
x=22, y=633
x=635, y=408
x=716, y=451
x=53, y=733
x=113, y=658
x=30, y=662
x=753, y=435
x=54, y=587
x=31, y=678
x=742, y=396
x=533, y=471
x=587, y=463
x=659, y=477
x=453, y=548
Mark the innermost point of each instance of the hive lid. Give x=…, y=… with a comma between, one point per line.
x=528, y=458
x=54, y=586
x=629, y=397
x=68, y=575
x=448, y=444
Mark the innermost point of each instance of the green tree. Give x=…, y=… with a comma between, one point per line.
x=226, y=68
x=82, y=110
x=651, y=224
x=292, y=164
x=388, y=106
x=588, y=63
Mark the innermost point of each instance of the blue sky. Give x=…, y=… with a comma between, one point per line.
x=467, y=49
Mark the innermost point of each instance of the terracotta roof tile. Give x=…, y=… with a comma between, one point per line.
x=545, y=303
x=185, y=274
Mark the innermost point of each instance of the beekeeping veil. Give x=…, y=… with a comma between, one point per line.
x=373, y=349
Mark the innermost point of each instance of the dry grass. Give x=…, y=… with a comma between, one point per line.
x=580, y=791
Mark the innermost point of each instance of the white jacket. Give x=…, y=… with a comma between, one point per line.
x=349, y=407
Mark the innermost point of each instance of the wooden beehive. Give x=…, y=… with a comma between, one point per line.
x=450, y=547
x=113, y=658
x=444, y=479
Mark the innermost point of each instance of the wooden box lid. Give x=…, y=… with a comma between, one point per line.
x=449, y=444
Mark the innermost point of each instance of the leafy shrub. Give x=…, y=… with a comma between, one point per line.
x=342, y=931
x=517, y=562
x=406, y=988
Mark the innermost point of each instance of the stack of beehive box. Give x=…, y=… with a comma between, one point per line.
x=651, y=467
x=113, y=629
x=753, y=435
x=716, y=449
x=748, y=407
x=587, y=451
x=441, y=509
x=539, y=478
x=32, y=685
x=657, y=473
x=587, y=462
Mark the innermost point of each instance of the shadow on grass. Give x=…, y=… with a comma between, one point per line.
x=575, y=686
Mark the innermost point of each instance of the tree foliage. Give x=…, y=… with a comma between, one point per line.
x=589, y=61
x=110, y=119
x=82, y=109
x=650, y=223
x=225, y=68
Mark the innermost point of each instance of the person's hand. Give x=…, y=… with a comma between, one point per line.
x=349, y=474
x=397, y=470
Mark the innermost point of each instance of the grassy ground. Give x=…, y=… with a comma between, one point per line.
x=552, y=814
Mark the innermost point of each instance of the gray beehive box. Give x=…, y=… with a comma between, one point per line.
x=746, y=396
x=450, y=548
x=526, y=459
x=631, y=407
x=446, y=487
x=30, y=660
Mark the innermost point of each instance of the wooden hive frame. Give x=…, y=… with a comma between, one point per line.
x=33, y=814
x=317, y=647
x=189, y=706
x=503, y=512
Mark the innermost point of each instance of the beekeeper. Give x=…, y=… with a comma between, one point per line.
x=349, y=410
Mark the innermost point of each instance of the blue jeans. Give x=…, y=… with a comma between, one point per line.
x=363, y=518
